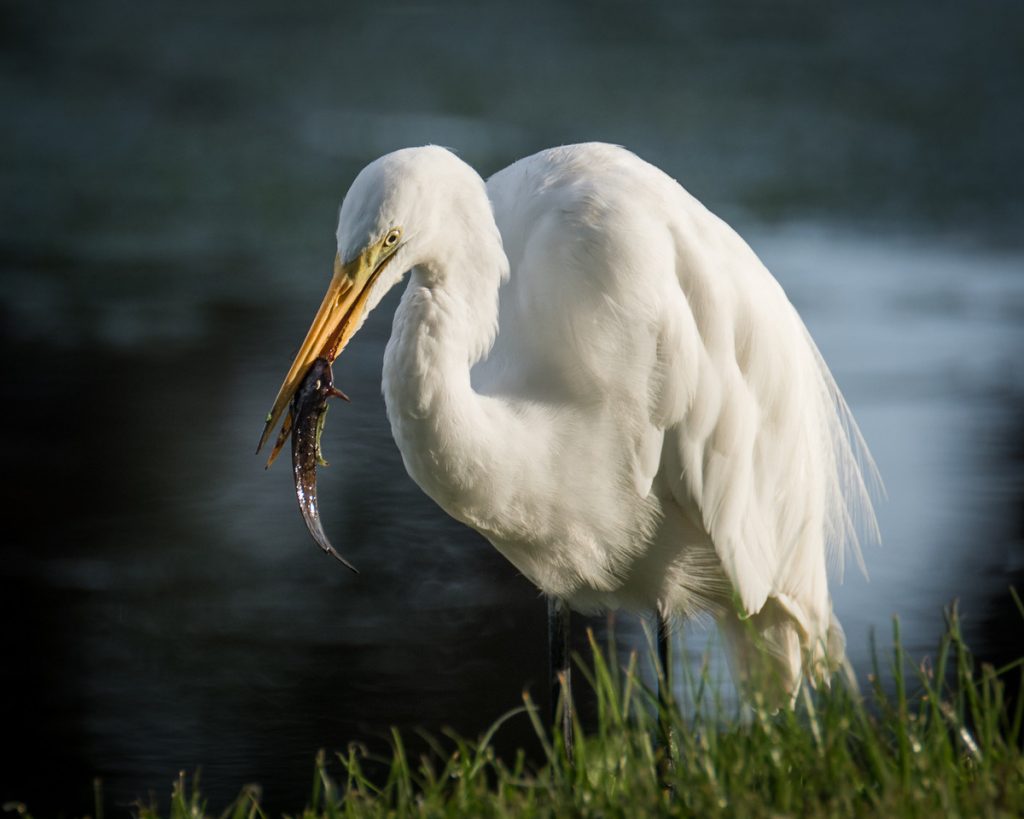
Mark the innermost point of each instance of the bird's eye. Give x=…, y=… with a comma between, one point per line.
x=392, y=238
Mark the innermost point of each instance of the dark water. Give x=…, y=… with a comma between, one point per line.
x=169, y=187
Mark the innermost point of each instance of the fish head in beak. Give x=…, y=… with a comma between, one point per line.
x=340, y=315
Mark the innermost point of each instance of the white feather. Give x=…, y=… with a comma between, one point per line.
x=599, y=375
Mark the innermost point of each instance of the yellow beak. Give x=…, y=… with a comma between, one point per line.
x=335, y=323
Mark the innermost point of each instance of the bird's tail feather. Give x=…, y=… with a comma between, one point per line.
x=771, y=651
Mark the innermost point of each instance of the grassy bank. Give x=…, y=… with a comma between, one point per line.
x=940, y=738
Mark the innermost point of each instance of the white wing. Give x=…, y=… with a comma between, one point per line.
x=633, y=308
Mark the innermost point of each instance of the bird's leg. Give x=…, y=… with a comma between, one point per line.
x=560, y=670
x=666, y=701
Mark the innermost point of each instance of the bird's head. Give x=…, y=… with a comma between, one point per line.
x=395, y=216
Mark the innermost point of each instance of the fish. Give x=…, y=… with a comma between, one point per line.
x=305, y=421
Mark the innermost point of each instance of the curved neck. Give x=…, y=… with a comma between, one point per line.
x=447, y=432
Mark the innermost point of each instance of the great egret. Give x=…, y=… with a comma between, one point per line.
x=599, y=376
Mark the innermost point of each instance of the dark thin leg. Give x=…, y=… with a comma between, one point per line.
x=560, y=670
x=665, y=698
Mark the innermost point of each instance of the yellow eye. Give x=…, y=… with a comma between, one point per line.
x=392, y=238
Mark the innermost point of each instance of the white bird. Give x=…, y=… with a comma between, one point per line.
x=599, y=376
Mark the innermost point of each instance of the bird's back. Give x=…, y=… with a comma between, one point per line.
x=710, y=429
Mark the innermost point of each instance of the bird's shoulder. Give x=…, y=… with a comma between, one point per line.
x=573, y=177
x=620, y=206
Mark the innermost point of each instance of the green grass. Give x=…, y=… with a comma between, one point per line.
x=940, y=739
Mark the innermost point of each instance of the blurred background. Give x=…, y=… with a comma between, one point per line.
x=168, y=195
